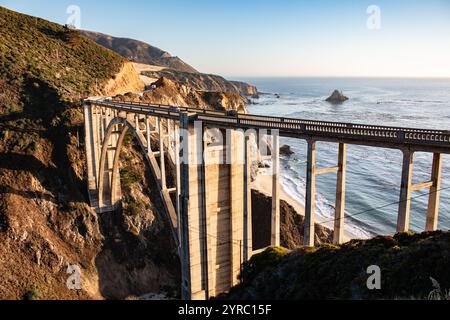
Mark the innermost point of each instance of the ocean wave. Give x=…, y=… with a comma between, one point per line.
x=373, y=174
x=295, y=187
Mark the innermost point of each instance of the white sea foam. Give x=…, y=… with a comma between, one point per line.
x=373, y=175
x=295, y=186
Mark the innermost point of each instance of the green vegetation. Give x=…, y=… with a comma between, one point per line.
x=129, y=136
x=268, y=260
x=45, y=71
x=133, y=207
x=46, y=67
x=129, y=176
x=407, y=261
x=140, y=51
x=32, y=294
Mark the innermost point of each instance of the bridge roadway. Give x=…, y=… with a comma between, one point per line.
x=210, y=205
x=426, y=140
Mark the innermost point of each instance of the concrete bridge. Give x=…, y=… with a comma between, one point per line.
x=209, y=203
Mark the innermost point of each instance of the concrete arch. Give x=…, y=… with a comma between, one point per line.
x=109, y=186
x=114, y=180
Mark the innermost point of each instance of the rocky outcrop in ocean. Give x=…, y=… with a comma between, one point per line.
x=286, y=150
x=337, y=97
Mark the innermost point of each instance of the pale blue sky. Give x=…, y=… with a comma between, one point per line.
x=276, y=38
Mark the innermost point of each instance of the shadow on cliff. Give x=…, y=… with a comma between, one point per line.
x=137, y=264
x=20, y=162
x=42, y=115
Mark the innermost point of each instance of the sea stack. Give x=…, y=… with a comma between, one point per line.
x=337, y=97
x=286, y=150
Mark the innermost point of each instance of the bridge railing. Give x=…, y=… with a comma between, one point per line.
x=242, y=116
x=382, y=133
x=292, y=125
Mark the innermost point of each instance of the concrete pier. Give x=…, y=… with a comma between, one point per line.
x=405, y=191
x=435, y=190
x=248, y=225
x=339, y=216
x=310, y=198
x=275, y=225
x=162, y=160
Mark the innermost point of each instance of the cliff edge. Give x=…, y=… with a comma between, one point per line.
x=126, y=80
x=407, y=263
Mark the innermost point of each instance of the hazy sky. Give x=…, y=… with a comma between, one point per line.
x=277, y=38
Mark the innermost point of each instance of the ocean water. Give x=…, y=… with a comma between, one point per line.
x=373, y=174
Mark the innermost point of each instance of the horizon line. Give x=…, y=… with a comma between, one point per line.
x=338, y=77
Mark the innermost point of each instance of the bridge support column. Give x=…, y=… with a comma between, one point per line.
x=137, y=123
x=338, y=236
x=237, y=152
x=148, y=135
x=177, y=163
x=162, y=161
x=193, y=236
x=275, y=225
x=102, y=126
x=248, y=225
x=89, y=146
x=101, y=133
x=405, y=191
x=433, y=201
x=310, y=195
x=97, y=139
x=212, y=215
x=169, y=138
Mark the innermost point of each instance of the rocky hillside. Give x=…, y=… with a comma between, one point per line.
x=407, y=261
x=172, y=93
x=173, y=68
x=292, y=224
x=246, y=89
x=46, y=223
x=205, y=82
x=139, y=51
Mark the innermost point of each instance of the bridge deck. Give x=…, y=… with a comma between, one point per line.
x=426, y=140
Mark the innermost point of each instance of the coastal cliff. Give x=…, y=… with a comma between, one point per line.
x=205, y=82
x=412, y=267
x=168, y=92
x=126, y=80
x=46, y=223
x=138, y=51
x=292, y=224
x=161, y=64
x=246, y=89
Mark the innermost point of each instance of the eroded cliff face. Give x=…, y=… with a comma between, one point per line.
x=291, y=227
x=204, y=82
x=127, y=80
x=46, y=223
x=139, y=255
x=246, y=89
x=168, y=92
